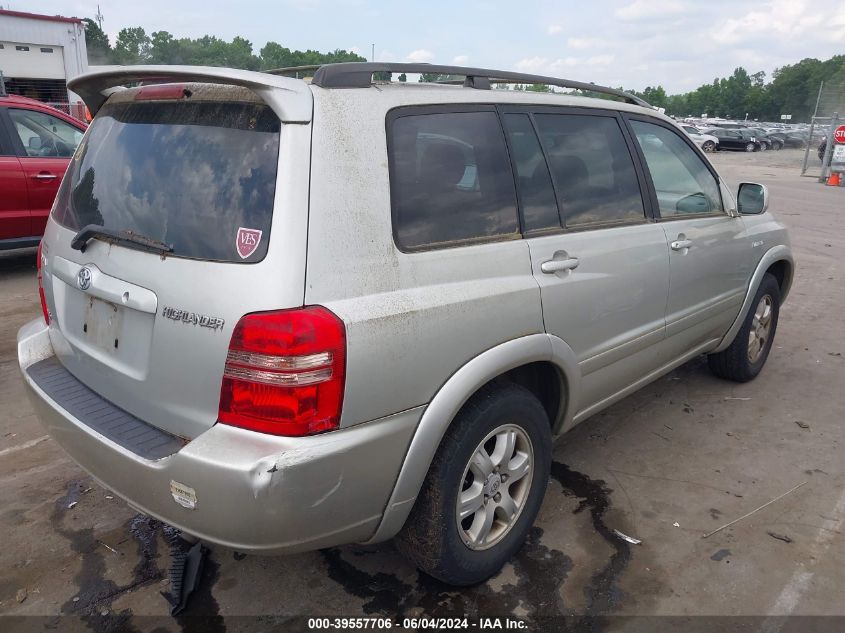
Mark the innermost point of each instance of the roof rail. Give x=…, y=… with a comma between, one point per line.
x=360, y=75
x=293, y=70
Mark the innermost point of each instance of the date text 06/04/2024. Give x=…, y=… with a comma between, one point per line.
x=414, y=624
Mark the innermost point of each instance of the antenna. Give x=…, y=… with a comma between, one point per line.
x=99, y=17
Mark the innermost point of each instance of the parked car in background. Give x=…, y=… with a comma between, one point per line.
x=735, y=139
x=706, y=142
x=765, y=140
x=215, y=348
x=796, y=139
x=36, y=143
x=777, y=136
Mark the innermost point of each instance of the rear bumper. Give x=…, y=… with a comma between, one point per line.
x=254, y=493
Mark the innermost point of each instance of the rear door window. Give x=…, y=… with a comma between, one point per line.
x=592, y=168
x=450, y=179
x=197, y=175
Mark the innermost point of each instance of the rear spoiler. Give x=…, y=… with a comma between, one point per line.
x=289, y=98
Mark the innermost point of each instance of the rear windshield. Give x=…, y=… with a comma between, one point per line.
x=198, y=176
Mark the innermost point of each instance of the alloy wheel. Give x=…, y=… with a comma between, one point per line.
x=761, y=326
x=495, y=487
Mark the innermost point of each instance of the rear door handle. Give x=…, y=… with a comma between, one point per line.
x=556, y=265
x=679, y=245
x=45, y=176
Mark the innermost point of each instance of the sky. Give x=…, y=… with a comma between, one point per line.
x=679, y=44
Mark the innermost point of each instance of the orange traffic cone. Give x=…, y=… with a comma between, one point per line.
x=833, y=181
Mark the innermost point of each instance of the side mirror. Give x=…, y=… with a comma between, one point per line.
x=752, y=198
x=35, y=142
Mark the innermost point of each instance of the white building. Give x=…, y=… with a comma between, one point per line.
x=39, y=53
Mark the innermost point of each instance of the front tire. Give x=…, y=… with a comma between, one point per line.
x=763, y=147
x=484, y=487
x=747, y=354
x=750, y=147
x=709, y=146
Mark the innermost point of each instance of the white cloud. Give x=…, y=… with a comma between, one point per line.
x=783, y=20
x=585, y=42
x=460, y=60
x=648, y=9
x=600, y=60
x=420, y=55
x=554, y=29
x=545, y=65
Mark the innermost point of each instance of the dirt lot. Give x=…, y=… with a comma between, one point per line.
x=667, y=465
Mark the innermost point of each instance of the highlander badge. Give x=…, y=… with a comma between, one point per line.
x=214, y=323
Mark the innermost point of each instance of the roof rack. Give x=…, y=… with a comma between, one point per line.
x=360, y=75
x=294, y=71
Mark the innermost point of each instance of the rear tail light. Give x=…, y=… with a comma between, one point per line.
x=38, y=265
x=285, y=372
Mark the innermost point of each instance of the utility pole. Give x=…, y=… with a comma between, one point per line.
x=99, y=17
x=373, y=53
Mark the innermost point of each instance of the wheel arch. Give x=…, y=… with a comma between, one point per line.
x=779, y=262
x=530, y=361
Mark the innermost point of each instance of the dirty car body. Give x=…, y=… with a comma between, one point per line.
x=269, y=338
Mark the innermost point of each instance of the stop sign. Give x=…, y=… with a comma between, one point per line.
x=839, y=134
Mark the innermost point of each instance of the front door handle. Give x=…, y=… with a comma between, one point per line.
x=557, y=265
x=45, y=176
x=679, y=245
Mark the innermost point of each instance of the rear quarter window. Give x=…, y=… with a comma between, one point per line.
x=450, y=179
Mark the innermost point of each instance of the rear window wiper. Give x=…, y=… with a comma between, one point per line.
x=127, y=238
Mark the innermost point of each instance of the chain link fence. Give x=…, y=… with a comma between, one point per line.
x=76, y=110
x=51, y=92
x=829, y=113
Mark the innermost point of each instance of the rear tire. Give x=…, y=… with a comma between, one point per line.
x=750, y=147
x=763, y=147
x=500, y=496
x=747, y=354
x=777, y=146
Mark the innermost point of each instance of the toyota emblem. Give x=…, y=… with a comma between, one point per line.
x=83, y=278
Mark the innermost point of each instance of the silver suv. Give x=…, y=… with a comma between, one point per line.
x=284, y=315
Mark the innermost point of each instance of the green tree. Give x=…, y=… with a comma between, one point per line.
x=274, y=55
x=655, y=96
x=792, y=90
x=97, y=43
x=132, y=46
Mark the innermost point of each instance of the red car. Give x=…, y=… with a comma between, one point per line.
x=36, y=143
